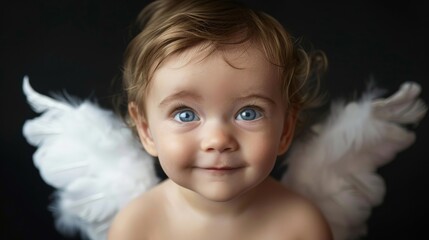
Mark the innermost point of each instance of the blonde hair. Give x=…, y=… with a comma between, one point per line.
x=167, y=27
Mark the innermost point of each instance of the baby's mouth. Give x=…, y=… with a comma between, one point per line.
x=221, y=170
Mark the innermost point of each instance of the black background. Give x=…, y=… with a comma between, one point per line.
x=78, y=46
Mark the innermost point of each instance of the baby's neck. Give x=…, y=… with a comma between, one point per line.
x=241, y=205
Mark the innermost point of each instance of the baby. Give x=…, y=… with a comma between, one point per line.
x=215, y=91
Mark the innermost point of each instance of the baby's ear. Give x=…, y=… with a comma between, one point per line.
x=143, y=130
x=288, y=131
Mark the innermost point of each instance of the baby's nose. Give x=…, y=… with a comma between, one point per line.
x=218, y=137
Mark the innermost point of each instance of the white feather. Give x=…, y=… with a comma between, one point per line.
x=336, y=168
x=38, y=102
x=91, y=157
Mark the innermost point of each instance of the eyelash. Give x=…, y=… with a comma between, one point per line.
x=179, y=106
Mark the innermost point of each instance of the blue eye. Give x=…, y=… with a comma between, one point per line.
x=249, y=114
x=186, y=116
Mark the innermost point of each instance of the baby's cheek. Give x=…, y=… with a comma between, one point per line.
x=176, y=153
x=262, y=153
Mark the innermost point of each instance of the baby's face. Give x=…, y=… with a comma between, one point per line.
x=216, y=129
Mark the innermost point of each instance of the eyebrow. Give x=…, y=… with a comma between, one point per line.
x=179, y=95
x=197, y=97
x=256, y=96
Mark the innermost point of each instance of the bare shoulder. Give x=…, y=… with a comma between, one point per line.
x=310, y=221
x=135, y=220
x=300, y=217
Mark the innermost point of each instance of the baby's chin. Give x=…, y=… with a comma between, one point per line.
x=222, y=194
x=221, y=191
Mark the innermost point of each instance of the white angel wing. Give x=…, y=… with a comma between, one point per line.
x=336, y=168
x=90, y=156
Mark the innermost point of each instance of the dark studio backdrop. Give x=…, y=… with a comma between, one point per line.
x=78, y=46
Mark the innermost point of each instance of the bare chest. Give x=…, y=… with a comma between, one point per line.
x=256, y=229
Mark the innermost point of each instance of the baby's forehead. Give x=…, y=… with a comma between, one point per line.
x=235, y=55
x=203, y=66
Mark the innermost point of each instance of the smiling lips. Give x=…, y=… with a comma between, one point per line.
x=221, y=169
